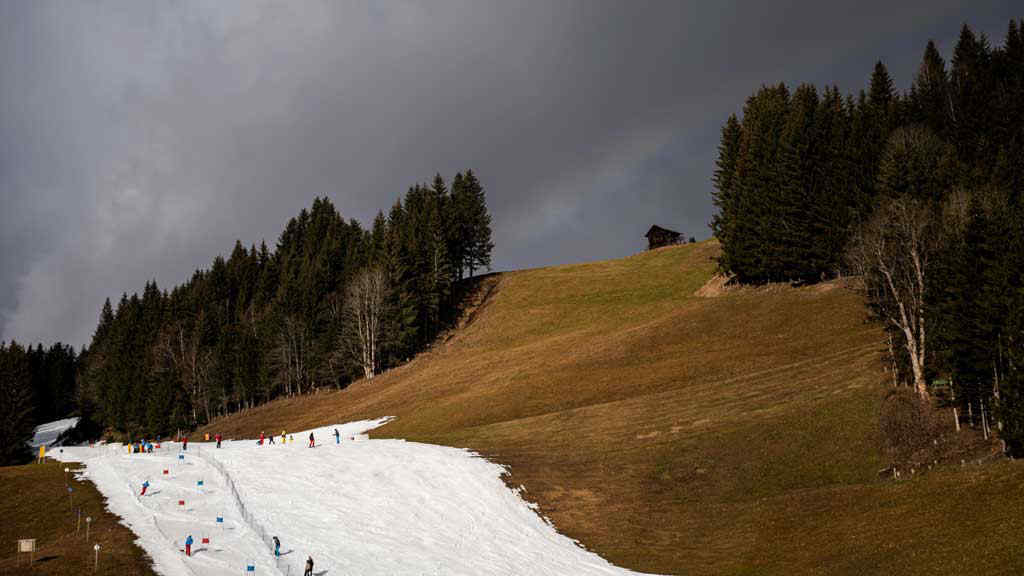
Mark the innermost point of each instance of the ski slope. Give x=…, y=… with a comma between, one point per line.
x=47, y=434
x=362, y=507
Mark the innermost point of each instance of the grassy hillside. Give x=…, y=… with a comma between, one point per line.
x=676, y=433
x=34, y=504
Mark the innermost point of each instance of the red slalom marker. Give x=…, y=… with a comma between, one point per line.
x=165, y=471
x=181, y=502
x=205, y=540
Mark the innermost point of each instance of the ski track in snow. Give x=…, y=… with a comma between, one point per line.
x=362, y=507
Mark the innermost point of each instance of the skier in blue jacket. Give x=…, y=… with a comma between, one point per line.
x=188, y=545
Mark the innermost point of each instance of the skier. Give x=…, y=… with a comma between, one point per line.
x=218, y=440
x=284, y=437
x=337, y=437
x=309, y=567
x=184, y=443
x=149, y=447
x=188, y=545
x=261, y=439
x=312, y=442
x=271, y=438
x=144, y=486
x=277, y=547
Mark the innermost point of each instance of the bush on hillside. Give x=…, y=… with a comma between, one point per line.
x=909, y=426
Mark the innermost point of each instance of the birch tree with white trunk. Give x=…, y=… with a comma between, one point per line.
x=892, y=252
x=364, y=311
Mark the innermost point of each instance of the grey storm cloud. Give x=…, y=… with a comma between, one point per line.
x=140, y=139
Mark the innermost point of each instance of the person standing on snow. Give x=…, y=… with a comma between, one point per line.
x=184, y=443
x=188, y=545
x=309, y=567
x=312, y=442
x=261, y=439
x=284, y=437
x=277, y=547
x=271, y=438
x=217, y=437
x=337, y=437
x=144, y=486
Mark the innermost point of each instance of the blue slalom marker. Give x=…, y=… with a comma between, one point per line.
x=181, y=456
x=220, y=519
x=199, y=483
x=250, y=568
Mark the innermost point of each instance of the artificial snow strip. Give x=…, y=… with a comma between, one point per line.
x=358, y=507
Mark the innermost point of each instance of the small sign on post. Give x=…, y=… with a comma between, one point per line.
x=66, y=470
x=71, y=501
x=96, y=561
x=88, y=521
x=28, y=545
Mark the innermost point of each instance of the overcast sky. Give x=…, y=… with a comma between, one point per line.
x=138, y=140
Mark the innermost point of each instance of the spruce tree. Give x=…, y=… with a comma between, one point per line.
x=16, y=410
x=479, y=244
x=725, y=197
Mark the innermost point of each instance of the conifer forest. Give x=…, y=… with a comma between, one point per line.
x=918, y=195
x=330, y=302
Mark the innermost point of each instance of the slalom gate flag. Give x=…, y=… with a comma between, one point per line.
x=181, y=502
x=205, y=540
x=165, y=471
x=181, y=456
x=220, y=519
x=250, y=568
x=199, y=483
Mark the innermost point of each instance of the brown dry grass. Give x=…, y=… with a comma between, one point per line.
x=34, y=504
x=677, y=434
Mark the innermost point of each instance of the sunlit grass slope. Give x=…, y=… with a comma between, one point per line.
x=34, y=504
x=673, y=433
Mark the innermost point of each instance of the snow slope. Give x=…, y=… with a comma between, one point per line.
x=361, y=507
x=48, y=433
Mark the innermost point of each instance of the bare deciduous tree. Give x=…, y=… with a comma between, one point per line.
x=193, y=364
x=364, y=310
x=291, y=353
x=892, y=252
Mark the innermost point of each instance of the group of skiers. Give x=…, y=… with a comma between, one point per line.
x=141, y=447
x=264, y=439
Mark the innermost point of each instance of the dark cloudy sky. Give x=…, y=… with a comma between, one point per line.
x=140, y=139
